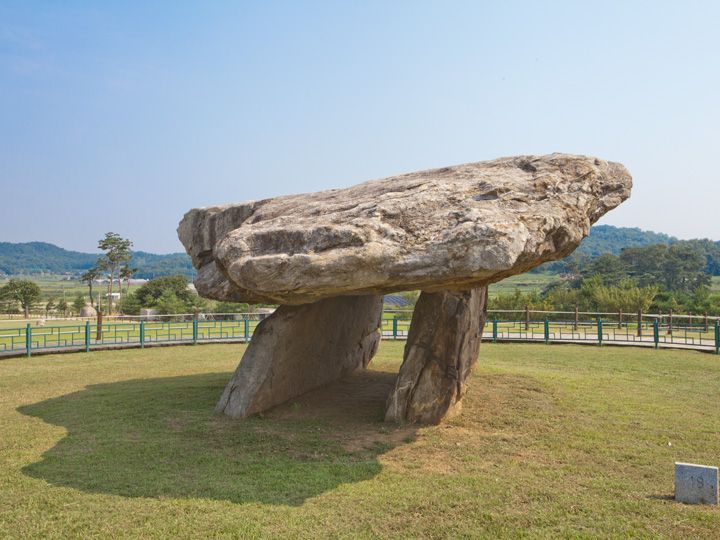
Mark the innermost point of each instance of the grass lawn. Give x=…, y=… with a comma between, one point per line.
x=554, y=441
x=526, y=283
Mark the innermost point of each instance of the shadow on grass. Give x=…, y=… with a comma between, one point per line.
x=158, y=438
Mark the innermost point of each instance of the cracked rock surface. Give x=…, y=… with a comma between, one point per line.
x=454, y=228
x=441, y=349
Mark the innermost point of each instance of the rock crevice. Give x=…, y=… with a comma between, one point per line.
x=299, y=348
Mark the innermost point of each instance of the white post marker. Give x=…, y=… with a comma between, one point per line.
x=696, y=484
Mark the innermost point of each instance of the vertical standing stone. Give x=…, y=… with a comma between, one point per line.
x=441, y=349
x=299, y=348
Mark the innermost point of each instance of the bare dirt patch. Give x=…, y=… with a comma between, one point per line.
x=355, y=405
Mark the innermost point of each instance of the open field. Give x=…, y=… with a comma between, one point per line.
x=57, y=287
x=554, y=441
x=524, y=282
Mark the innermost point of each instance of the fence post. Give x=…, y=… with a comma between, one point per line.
x=527, y=318
x=395, y=328
x=547, y=331
x=195, y=331
x=639, y=323
x=717, y=337
x=87, y=336
x=577, y=317
x=98, y=331
x=670, y=322
x=600, y=330
x=494, y=328
x=247, y=329
x=656, y=333
x=28, y=340
x=142, y=334
x=707, y=324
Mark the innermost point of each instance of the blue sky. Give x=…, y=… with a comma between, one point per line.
x=121, y=116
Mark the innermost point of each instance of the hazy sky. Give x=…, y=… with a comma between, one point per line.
x=122, y=116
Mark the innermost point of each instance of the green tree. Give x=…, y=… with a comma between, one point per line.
x=638, y=298
x=517, y=300
x=626, y=296
x=563, y=297
x=129, y=304
x=684, y=268
x=611, y=269
x=646, y=264
x=89, y=277
x=588, y=286
x=681, y=267
x=149, y=294
x=22, y=290
x=49, y=306
x=78, y=304
x=126, y=274
x=117, y=254
x=170, y=304
x=62, y=307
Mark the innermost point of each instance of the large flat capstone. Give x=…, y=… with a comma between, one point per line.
x=455, y=228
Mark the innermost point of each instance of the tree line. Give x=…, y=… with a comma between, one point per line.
x=657, y=278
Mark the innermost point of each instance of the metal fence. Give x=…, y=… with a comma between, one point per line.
x=680, y=331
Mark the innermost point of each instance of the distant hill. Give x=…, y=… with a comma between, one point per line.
x=41, y=257
x=609, y=239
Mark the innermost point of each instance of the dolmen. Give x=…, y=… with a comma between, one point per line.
x=328, y=258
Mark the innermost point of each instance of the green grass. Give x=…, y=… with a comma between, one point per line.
x=524, y=282
x=554, y=441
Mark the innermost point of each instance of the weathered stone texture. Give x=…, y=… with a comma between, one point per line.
x=453, y=228
x=299, y=348
x=440, y=351
x=328, y=257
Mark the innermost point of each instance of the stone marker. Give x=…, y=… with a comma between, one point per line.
x=447, y=232
x=696, y=484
